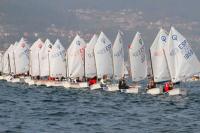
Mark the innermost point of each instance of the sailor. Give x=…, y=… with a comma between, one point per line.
x=151, y=84
x=122, y=84
x=103, y=81
x=168, y=86
x=92, y=81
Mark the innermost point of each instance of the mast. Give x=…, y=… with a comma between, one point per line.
x=14, y=61
x=151, y=64
x=39, y=63
x=67, y=65
x=95, y=65
x=9, y=64
x=49, y=64
x=84, y=62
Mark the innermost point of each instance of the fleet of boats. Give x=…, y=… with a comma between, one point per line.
x=44, y=63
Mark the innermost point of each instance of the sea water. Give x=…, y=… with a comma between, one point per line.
x=31, y=109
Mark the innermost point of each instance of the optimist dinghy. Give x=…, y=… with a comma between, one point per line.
x=118, y=62
x=76, y=62
x=159, y=64
x=138, y=63
x=103, y=55
x=182, y=61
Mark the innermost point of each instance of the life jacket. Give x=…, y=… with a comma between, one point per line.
x=92, y=81
x=166, y=87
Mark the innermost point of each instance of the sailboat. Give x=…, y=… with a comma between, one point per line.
x=6, y=64
x=103, y=59
x=1, y=66
x=90, y=63
x=118, y=62
x=44, y=58
x=138, y=63
x=34, y=67
x=57, y=64
x=159, y=63
x=45, y=63
x=181, y=59
x=12, y=63
x=21, y=60
x=76, y=62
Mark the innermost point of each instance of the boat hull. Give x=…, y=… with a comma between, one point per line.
x=83, y=85
x=112, y=88
x=155, y=91
x=131, y=90
x=177, y=91
x=96, y=86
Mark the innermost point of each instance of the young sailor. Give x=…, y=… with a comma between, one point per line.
x=168, y=86
x=122, y=84
x=92, y=81
x=151, y=84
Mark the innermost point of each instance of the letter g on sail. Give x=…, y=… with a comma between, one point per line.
x=174, y=37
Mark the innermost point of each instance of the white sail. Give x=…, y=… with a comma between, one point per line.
x=6, y=61
x=12, y=59
x=137, y=57
x=103, y=56
x=126, y=70
x=1, y=62
x=44, y=58
x=90, y=65
x=182, y=61
x=158, y=59
x=57, y=60
x=21, y=53
x=76, y=53
x=34, y=58
x=118, y=57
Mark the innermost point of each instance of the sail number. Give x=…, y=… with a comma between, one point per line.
x=105, y=49
x=186, y=50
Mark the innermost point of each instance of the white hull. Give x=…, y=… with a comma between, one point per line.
x=112, y=88
x=15, y=80
x=155, y=91
x=95, y=86
x=177, y=91
x=66, y=84
x=31, y=82
x=53, y=83
x=75, y=85
x=131, y=90
x=1, y=78
x=83, y=85
x=38, y=82
x=8, y=78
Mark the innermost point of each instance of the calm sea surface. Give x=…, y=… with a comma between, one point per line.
x=25, y=109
